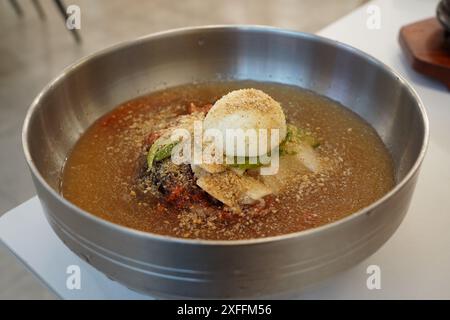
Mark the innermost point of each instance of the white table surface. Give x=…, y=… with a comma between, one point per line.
x=414, y=263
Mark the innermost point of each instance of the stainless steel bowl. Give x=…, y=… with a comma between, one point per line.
x=174, y=267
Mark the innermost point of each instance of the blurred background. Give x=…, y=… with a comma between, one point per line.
x=36, y=45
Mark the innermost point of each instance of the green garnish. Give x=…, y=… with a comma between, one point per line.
x=159, y=150
x=246, y=164
x=294, y=137
x=165, y=151
x=289, y=146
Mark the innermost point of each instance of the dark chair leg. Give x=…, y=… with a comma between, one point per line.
x=39, y=10
x=62, y=10
x=17, y=8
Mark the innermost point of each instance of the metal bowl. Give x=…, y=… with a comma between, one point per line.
x=173, y=267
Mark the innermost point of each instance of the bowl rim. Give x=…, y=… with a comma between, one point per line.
x=233, y=28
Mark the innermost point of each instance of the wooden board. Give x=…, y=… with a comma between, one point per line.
x=427, y=48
